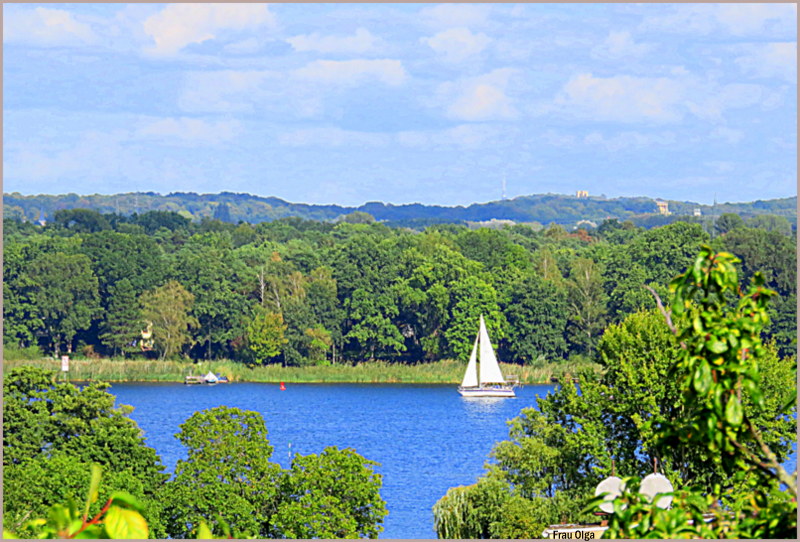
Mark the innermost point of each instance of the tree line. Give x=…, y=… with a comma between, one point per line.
x=535, y=208
x=300, y=292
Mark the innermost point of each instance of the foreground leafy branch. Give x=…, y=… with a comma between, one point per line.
x=721, y=346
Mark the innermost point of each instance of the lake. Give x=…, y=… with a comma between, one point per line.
x=427, y=438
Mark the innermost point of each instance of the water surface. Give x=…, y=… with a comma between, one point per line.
x=427, y=438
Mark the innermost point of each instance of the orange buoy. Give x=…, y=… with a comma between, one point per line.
x=283, y=387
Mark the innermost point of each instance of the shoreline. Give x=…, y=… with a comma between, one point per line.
x=377, y=372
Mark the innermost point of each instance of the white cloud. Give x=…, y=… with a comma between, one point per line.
x=189, y=130
x=743, y=19
x=625, y=98
x=478, y=98
x=94, y=156
x=628, y=140
x=179, y=25
x=45, y=26
x=353, y=72
x=331, y=136
x=730, y=135
x=302, y=93
x=559, y=139
x=224, y=90
x=720, y=166
x=361, y=42
x=457, y=44
x=463, y=136
x=622, y=98
x=767, y=60
x=450, y=15
x=711, y=102
x=620, y=45
x=736, y=19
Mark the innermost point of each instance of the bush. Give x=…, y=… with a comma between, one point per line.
x=13, y=352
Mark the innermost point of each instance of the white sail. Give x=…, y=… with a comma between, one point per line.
x=489, y=368
x=471, y=376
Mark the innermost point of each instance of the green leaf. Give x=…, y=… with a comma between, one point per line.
x=733, y=411
x=97, y=472
x=717, y=346
x=126, y=500
x=203, y=532
x=92, y=531
x=702, y=377
x=124, y=523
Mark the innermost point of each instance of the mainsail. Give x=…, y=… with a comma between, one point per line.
x=471, y=376
x=489, y=368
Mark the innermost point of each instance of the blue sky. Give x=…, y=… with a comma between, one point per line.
x=431, y=103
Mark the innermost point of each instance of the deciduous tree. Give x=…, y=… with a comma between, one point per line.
x=168, y=308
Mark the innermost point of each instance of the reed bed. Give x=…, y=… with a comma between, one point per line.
x=439, y=372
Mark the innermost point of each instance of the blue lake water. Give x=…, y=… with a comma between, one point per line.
x=427, y=438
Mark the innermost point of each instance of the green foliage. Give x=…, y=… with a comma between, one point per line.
x=120, y=517
x=66, y=296
x=53, y=433
x=227, y=476
x=718, y=367
x=204, y=265
x=770, y=223
x=265, y=337
x=12, y=352
x=586, y=304
x=331, y=495
x=81, y=220
x=728, y=222
x=229, y=480
x=537, y=320
x=473, y=297
x=123, y=319
x=167, y=308
x=380, y=293
x=694, y=515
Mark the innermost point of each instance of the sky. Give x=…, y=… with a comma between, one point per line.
x=446, y=104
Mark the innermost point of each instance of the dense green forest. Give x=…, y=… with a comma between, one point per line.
x=540, y=209
x=301, y=292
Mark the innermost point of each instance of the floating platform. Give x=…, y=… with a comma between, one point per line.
x=191, y=379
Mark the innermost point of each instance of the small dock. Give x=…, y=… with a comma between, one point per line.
x=194, y=379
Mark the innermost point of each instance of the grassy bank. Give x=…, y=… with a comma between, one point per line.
x=440, y=372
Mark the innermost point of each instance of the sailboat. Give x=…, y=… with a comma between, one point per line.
x=484, y=379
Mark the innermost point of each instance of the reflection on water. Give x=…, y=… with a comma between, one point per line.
x=484, y=405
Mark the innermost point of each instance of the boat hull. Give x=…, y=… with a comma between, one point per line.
x=486, y=392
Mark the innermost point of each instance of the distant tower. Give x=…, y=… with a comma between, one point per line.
x=504, y=187
x=663, y=207
x=581, y=194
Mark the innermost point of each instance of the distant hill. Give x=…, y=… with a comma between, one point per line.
x=539, y=208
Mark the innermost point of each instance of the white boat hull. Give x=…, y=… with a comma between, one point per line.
x=487, y=392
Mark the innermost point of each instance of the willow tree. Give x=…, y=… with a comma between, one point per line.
x=168, y=308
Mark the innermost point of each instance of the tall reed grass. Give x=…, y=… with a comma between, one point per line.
x=439, y=372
